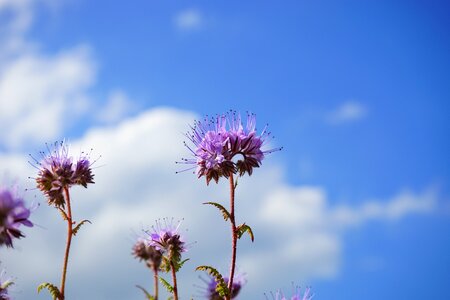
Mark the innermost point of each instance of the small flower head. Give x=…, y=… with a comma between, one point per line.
x=13, y=214
x=224, y=146
x=296, y=295
x=58, y=171
x=212, y=294
x=166, y=238
x=147, y=253
x=4, y=284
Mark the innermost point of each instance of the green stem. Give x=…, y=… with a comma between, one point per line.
x=233, y=238
x=69, y=240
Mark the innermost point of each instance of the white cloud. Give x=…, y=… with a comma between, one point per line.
x=40, y=96
x=190, y=19
x=347, y=112
x=298, y=234
x=116, y=108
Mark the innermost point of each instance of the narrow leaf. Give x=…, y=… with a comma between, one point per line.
x=221, y=287
x=147, y=294
x=225, y=213
x=63, y=213
x=54, y=291
x=241, y=229
x=167, y=285
x=6, y=284
x=75, y=230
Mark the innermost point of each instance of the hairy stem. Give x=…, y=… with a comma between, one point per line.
x=69, y=240
x=233, y=238
x=174, y=279
x=155, y=282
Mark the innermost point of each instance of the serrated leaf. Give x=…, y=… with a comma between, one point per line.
x=75, y=230
x=221, y=287
x=241, y=229
x=180, y=264
x=53, y=290
x=225, y=213
x=148, y=296
x=63, y=214
x=167, y=285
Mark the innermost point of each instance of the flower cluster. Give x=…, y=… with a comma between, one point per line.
x=297, y=295
x=165, y=238
x=57, y=171
x=13, y=213
x=212, y=294
x=224, y=146
x=147, y=253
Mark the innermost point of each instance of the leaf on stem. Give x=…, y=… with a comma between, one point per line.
x=148, y=296
x=75, y=230
x=241, y=229
x=54, y=291
x=63, y=214
x=167, y=285
x=225, y=213
x=221, y=287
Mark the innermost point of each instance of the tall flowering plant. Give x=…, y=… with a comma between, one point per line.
x=57, y=173
x=223, y=146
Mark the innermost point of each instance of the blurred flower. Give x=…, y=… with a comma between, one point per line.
x=221, y=150
x=297, y=295
x=147, y=253
x=165, y=238
x=13, y=213
x=4, y=284
x=212, y=294
x=58, y=171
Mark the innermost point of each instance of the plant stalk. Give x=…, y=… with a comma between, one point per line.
x=69, y=240
x=233, y=238
x=155, y=282
x=174, y=279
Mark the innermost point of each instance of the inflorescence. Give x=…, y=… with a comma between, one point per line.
x=224, y=146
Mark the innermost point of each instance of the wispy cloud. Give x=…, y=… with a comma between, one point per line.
x=347, y=112
x=188, y=20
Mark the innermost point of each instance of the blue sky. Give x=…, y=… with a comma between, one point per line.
x=357, y=203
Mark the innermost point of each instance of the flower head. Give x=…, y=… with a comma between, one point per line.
x=166, y=238
x=224, y=146
x=13, y=213
x=212, y=294
x=147, y=253
x=4, y=284
x=58, y=171
x=296, y=295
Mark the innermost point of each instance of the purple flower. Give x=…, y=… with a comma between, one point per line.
x=58, y=171
x=165, y=238
x=13, y=213
x=4, y=284
x=147, y=253
x=224, y=146
x=212, y=294
x=297, y=295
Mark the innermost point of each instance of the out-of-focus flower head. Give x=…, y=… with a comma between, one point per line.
x=147, y=253
x=13, y=214
x=57, y=170
x=296, y=295
x=212, y=294
x=166, y=238
x=224, y=146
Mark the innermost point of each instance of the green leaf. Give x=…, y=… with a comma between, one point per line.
x=167, y=285
x=6, y=284
x=221, y=287
x=241, y=229
x=75, y=230
x=180, y=264
x=63, y=213
x=54, y=291
x=225, y=213
x=147, y=294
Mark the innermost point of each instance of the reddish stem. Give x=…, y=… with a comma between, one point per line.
x=174, y=279
x=69, y=240
x=233, y=238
